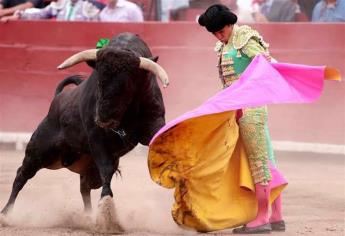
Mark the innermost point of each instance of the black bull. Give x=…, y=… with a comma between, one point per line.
x=89, y=128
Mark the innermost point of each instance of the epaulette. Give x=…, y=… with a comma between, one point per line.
x=242, y=35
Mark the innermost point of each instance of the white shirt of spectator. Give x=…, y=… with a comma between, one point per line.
x=168, y=5
x=124, y=11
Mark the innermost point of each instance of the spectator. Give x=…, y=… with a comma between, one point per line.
x=121, y=11
x=179, y=9
x=64, y=10
x=169, y=6
x=299, y=14
x=97, y=3
x=329, y=11
x=307, y=7
x=8, y=7
x=274, y=10
x=243, y=15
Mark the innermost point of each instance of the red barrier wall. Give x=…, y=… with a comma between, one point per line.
x=31, y=50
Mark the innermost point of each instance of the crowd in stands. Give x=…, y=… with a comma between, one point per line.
x=264, y=10
x=71, y=10
x=299, y=10
x=172, y=10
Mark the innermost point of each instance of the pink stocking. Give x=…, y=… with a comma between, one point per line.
x=262, y=193
x=277, y=210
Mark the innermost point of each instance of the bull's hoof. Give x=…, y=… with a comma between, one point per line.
x=106, y=221
x=3, y=221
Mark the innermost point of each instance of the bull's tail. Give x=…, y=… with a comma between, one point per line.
x=74, y=79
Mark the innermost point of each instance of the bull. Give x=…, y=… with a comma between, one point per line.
x=89, y=128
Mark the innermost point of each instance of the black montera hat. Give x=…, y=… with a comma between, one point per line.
x=216, y=17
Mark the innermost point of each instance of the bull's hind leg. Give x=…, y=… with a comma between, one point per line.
x=29, y=168
x=85, y=191
x=89, y=180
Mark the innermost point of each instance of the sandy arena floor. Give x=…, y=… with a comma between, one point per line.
x=50, y=204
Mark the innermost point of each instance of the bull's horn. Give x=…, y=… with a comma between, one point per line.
x=87, y=55
x=152, y=66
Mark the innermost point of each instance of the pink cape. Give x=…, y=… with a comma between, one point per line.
x=179, y=158
x=262, y=83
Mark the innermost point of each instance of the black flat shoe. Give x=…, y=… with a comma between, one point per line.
x=261, y=229
x=278, y=226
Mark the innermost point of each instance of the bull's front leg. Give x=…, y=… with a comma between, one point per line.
x=105, y=162
x=106, y=221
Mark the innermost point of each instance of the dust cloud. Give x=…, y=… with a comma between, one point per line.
x=51, y=199
x=50, y=203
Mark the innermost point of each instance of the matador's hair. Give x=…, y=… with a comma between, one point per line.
x=216, y=17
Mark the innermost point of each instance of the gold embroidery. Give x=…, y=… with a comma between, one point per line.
x=240, y=37
x=218, y=47
x=243, y=33
x=252, y=128
x=253, y=121
x=227, y=61
x=228, y=72
x=228, y=80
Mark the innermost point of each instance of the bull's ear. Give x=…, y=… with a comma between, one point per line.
x=155, y=58
x=91, y=63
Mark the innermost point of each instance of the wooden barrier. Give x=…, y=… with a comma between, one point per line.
x=31, y=50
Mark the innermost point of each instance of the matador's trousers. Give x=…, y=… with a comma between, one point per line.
x=255, y=136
